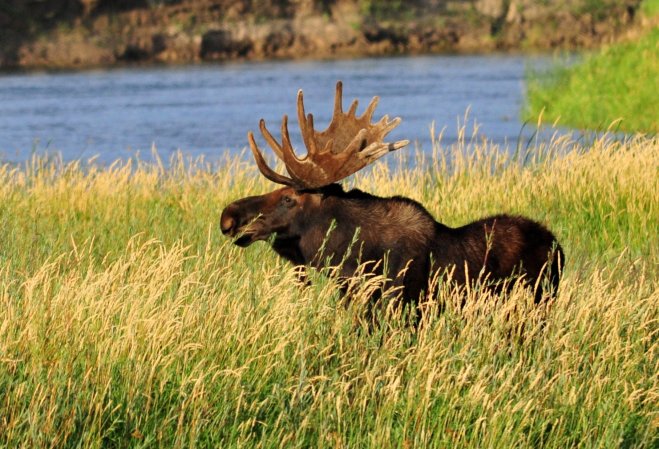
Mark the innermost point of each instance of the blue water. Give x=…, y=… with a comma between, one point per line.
x=208, y=109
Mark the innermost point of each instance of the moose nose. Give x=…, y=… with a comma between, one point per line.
x=227, y=224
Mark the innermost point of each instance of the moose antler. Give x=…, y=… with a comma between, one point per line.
x=347, y=145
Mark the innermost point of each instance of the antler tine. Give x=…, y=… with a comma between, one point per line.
x=376, y=150
x=353, y=108
x=306, y=124
x=388, y=127
x=370, y=109
x=287, y=149
x=271, y=140
x=289, y=157
x=398, y=144
x=263, y=166
x=338, y=100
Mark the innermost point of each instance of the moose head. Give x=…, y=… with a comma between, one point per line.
x=349, y=144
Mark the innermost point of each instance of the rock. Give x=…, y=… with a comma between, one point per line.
x=376, y=33
x=275, y=41
x=174, y=46
x=221, y=44
x=134, y=53
x=67, y=51
x=100, y=32
x=159, y=43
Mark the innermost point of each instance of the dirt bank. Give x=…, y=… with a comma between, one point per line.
x=88, y=33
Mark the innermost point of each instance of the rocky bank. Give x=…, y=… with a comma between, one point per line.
x=89, y=33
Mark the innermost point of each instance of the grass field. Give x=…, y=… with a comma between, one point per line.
x=127, y=320
x=616, y=88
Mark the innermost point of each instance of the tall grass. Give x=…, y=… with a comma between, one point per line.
x=619, y=84
x=128, y=321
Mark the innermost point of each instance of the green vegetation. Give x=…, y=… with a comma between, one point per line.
x=620, y=84
x=599, y=9
x=129, y=321
x=383, y=9
x=650, y=7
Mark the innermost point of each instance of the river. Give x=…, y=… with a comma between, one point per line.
x=208, y=109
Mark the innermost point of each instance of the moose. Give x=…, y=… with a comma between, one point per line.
x=313, y=221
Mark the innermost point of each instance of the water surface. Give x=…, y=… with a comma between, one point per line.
x=208, y=109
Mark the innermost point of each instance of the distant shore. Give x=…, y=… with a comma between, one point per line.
x=95, y=35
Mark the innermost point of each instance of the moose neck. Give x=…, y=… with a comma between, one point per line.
x=355, y=221
x=323, y=224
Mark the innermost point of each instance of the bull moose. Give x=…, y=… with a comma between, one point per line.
x=313, y=221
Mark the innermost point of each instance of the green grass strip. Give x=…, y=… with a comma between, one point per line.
x=616, y=88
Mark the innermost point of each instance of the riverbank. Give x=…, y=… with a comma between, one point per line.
x=86, y=33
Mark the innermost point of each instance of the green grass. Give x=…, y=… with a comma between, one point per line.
x=127, y=320
x=617, y=87
x=650, y=7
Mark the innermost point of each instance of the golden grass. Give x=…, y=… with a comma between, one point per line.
x=128, y=321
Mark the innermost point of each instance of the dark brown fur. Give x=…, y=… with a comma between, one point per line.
x=397, y=229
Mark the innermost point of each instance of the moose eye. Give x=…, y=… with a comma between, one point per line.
x=287, y=201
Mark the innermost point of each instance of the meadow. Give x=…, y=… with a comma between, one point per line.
x=128, y=320
x=618, y=84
